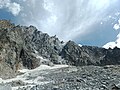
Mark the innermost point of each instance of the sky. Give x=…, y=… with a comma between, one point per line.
x=87, y=22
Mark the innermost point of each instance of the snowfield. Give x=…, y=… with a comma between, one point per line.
x=32, y=77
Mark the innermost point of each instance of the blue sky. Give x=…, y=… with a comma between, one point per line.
x=88, y=22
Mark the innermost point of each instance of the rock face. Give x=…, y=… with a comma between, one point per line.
x=90, y=55
x=26, y=47
x=22, y=46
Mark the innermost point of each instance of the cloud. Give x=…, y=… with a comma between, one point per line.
x=117, y=26
x=115, y=43
x=67, y=19
x=12, y=7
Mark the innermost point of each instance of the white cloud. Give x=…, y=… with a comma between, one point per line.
x=117, y=26
x=12, y=7
x=4, y=3
x=68, y=18
x=117, y=42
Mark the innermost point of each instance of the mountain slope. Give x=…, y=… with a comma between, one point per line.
x=26, y=47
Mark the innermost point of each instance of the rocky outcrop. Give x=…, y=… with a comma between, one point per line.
x=27, y=47
x=90, y=55
x=22, y=46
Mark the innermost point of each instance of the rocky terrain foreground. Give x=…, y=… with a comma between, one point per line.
x=32, y=60
x=63, y=77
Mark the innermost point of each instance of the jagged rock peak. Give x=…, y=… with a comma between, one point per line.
x=6, y=24
x=27, y=47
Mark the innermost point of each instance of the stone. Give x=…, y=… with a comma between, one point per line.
x=5, y=87
x=89, y=55
x=26, y=47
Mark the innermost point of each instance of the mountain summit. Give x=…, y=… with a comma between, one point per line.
x=32, y=60
x=26, y=47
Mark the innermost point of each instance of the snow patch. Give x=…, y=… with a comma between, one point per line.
x=32, y=77
x=15, y=88
x=112, y=45
x=80, y=45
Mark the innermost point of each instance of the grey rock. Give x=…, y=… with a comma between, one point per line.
x=89, y=55
x=5, y=87
x=22, y=47
x=84, y=78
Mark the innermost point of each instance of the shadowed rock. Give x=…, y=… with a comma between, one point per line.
x=90, y=55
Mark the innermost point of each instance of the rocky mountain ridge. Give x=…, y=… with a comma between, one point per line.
x=27, y=47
